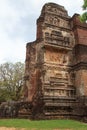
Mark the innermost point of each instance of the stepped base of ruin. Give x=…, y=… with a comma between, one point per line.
x=60, y=108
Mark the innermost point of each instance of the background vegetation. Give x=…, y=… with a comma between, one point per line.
x=11, y=81
x=84, y=15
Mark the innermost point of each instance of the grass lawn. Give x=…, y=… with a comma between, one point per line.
x=43, y=124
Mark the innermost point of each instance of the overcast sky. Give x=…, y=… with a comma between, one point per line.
x=18, y=25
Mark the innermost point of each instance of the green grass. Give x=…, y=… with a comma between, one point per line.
x=43, y=124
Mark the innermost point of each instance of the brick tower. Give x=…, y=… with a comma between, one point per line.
x=79, y=64
x=56, y=64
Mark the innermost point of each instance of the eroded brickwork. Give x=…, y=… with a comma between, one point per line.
x=56, y=64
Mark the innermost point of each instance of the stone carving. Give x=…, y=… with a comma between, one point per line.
x=59, y=10
x=56, y=57
x=56, y=21
x=52, y=20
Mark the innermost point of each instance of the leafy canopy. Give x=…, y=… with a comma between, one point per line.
x=84, y=15
x=11, y=81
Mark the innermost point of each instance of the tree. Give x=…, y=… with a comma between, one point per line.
x=11, y=81
x=84, y=15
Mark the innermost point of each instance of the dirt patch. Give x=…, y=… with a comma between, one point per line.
x=5, y=128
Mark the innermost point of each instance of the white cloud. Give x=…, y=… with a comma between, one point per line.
x=18, y=24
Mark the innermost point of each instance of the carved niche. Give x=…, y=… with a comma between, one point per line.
x=53, y=20
x=55, y=56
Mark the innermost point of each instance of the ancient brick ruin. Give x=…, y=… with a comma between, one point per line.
x=56, y=66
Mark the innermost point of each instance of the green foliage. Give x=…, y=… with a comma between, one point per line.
x=84, y=15
x=85, y=5
x=4, y=95
x=44, y=124
x=11, y=81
